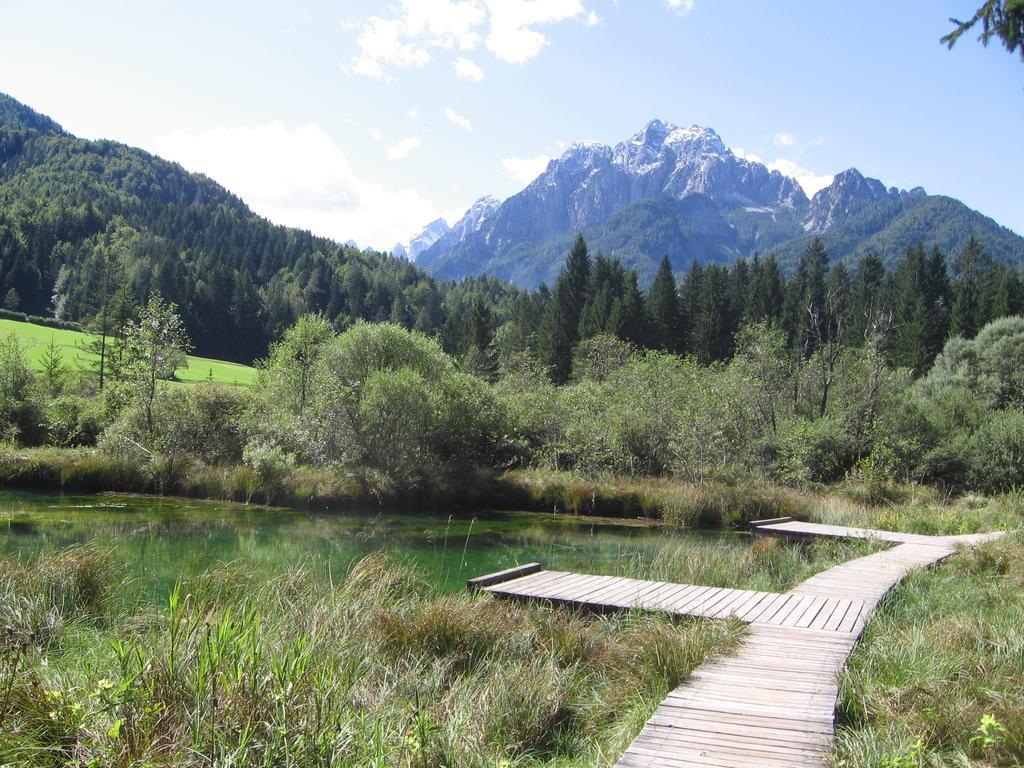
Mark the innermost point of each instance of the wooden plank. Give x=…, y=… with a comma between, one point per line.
x=770, y=521
x=507, y=575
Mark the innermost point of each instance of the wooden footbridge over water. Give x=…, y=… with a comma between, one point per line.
x=771, y=702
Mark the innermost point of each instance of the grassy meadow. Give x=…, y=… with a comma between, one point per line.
x=36, y=338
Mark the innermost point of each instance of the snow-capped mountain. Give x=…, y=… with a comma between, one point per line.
x=471, y=221
x=429, y=235
x=740, y=208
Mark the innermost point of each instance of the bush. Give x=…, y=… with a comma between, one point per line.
x=819, y=451
x=996, y=453
x=74, y=421
x=203, y=420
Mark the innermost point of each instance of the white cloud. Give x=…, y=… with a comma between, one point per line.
x=299, y=177
x=785, y=140
x=414, y=114
x=809, y=180
x=744, y=155
x=457, y=119
x=381, y=42
x=468, y=70
x=525, y=169
x=375, y=134
x=682, y=7
x=592, y=19
x=401, y=149
x=508, y=27
x=512, y=37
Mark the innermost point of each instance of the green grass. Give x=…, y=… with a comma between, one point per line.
x=36, y=338
x=377, y=668
x=374, y=670
x=938, y=677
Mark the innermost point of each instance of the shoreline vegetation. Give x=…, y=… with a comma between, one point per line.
x=712, y=505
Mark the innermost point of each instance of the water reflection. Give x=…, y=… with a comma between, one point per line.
x=160, y=540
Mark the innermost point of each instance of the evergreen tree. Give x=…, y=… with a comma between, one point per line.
x=805, y=300
x=767, y=291
x=606, y=285
x=971, y=268
x=107, y=278
x=920, y=310
x=560, y=326
x=868, y=300
x=662, y=305
x=481, y=358
x=632, y=321
x=54, y=372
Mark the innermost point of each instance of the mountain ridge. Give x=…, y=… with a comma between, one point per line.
x=594, y=189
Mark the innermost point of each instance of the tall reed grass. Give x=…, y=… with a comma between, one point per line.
x=375, y=670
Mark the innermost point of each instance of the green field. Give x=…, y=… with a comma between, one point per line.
x=35, y=339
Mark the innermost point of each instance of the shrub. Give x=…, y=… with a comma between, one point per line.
x=73, y=421
x=996, y=453
x=818, y=451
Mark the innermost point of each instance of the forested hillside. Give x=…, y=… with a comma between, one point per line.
x=89, y=229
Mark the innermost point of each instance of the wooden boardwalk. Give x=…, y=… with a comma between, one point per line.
x=771, y=702
x=614, y=593
x=788, y=528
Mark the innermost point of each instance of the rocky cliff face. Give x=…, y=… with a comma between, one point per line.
x=590, y=182
x=727, y=207
x=847, y=195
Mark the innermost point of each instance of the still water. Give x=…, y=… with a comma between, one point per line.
x=158, y=540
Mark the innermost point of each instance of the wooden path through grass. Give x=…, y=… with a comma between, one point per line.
x=771, y=702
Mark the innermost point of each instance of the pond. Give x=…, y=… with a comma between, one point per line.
x=161, y=539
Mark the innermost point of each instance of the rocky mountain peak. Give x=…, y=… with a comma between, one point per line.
x=429, y=235
x=848, y=193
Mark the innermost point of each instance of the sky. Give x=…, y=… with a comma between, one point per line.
x=367, y=120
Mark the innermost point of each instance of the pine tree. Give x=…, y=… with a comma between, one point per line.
x=920, y=310
x=606, y=285
x=107, y=279
x=632, y=321
x=54, y=372
x=767, y=291
x=971, y=266
x=662, y=305
x=560, y=327
x=868, y=299
x=481, y=358
x=805, y=300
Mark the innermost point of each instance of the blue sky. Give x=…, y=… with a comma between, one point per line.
x=365, y=120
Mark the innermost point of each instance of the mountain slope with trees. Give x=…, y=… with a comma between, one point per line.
x=89, y=229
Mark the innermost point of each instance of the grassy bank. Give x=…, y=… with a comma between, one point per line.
x=71, y=344
x=938, y=678
x=713, y=505
x=375, y=670
x=707, y=506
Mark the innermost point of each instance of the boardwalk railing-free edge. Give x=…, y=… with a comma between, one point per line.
x=771, y=702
